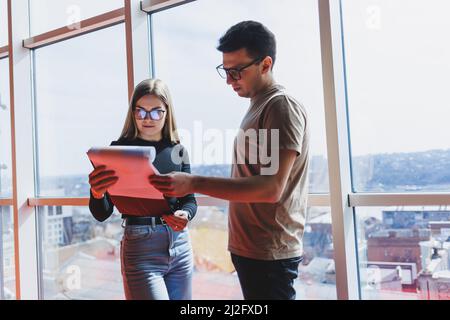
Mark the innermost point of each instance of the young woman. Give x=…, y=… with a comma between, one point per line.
x=156, y=253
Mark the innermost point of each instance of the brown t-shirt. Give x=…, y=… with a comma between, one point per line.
x=271, y=231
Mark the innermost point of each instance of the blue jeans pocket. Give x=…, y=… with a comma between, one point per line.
x=132, y=233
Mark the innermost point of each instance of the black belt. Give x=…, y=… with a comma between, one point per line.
x=143, y=221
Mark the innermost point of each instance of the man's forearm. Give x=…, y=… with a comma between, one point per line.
x=255, y=189
x=250, y=189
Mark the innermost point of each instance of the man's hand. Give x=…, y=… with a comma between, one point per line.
x=175, y=184
x=178, y=220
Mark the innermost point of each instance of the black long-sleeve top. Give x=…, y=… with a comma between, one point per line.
x=102, y=209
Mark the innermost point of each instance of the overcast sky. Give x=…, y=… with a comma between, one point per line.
x=397, y=66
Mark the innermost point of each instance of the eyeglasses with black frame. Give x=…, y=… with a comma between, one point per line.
x=154, y=114
x=235, y=73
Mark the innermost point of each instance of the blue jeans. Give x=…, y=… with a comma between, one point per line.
x=267, y=280
x=157, y=263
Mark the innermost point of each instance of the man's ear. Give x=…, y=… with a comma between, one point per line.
x=267, y=64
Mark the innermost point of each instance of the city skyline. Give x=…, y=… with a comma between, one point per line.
x=379, y=275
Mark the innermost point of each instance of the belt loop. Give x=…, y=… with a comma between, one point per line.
x=153, y=222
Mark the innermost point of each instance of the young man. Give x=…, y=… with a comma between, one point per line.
x=267, y=212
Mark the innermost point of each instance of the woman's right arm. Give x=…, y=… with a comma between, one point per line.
x=100, y=203
x=102, y=208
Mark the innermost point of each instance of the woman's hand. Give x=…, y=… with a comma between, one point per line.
x=178, y=220
x=100, y=180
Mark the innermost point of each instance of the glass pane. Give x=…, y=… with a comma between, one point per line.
x=404, y=252
x=317, y=275
x=207, y=110
x=46, y=15
x=5, y=132
x=3, y=23
x=80, y=256
x=81, y=101
x=397, y=71
x=215, y=278
x=7, y=261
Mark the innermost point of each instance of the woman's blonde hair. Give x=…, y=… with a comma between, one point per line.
x=160, y=90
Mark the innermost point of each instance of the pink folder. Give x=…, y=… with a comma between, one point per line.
x=132, y=194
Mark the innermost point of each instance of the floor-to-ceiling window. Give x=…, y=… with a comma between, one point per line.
x=396, y=69
x=7, y=262
x=397, y=74
x=209, y=113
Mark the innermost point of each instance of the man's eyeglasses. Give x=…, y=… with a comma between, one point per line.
x=235, y=73
x=155, y=114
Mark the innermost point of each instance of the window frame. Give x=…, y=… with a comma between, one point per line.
x=140, y=64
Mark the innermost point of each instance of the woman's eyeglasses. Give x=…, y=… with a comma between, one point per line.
x=155, y=114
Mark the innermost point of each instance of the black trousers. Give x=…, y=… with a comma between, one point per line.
x=267, y=280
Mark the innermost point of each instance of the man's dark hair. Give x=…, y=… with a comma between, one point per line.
x=255, y=37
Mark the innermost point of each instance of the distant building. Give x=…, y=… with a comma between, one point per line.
x=57, y=223
x=318, y=270
x=392, y=276
x=7, y=265
x=433, y=247
x=434, y=280
x=407, y=219
x=318, y=235
x=440, y=230
x=318, y=241
x=397, y=245
x=435, y=286
x=370, y=225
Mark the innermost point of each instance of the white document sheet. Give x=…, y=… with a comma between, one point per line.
x=133, y=165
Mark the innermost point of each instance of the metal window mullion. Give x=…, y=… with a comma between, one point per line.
x=22, y=152
x=399, y=199
x=4, y=52
x=343, y=224
x=137, y=42
x=314, y=200
x=153, y=6
x=40, y=253
x=37, y=186
x=102, y=21
x=2, y=269
x=151, y=47
x=6, y=202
